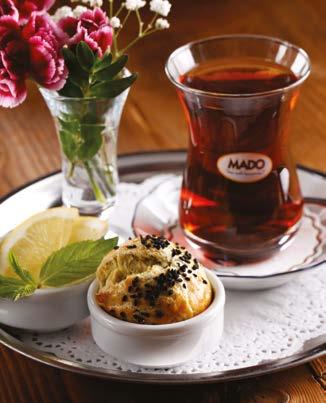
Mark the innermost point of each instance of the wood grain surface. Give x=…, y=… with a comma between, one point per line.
x=153, y=120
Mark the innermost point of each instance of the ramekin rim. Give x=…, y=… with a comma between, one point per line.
x=110, y=321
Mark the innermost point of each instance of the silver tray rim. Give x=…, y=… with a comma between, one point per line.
x=269, y=367
x=311, y=350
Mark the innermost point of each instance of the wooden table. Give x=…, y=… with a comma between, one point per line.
x=153, y=120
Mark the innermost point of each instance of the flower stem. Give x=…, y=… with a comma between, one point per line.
x=111, y=8
x=123, y=23
x=96, y=189
x=140, y=22
x=119, y=11
x=71, y=169
x=150, y=25
x=132, y=43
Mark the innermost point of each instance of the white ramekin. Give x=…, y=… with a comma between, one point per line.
x=159, y=346
x=48, y=309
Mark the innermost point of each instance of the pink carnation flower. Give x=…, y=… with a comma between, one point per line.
x=8, y=8
x=12, y=92
x=46, y=64
x=27, y=7
x=30, y=51
x=13, y=63
x=91, y=27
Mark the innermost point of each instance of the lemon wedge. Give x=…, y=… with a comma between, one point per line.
x=88, y=228
x=37, y=238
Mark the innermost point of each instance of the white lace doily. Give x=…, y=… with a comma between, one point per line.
x=259, y=326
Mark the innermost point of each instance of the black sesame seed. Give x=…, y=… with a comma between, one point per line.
x=116, y=248
x=184, y=286
x=189, y=271
x=130, y=288
x=123, y=315
x=179, y=280
x=187, y=279
x=170, y=292
x=204, y=281
x=124, y=298
x=195, y=275
x=159, y=314
x=176, y=252
x=131, y=246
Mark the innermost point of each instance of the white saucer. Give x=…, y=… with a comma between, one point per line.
x=157, y=213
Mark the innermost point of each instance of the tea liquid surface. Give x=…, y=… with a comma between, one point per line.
x=228, y=214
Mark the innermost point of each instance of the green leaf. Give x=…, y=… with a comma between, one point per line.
x=22, y=273
x=90, y=118
x=68, y=144
x=85, y=56
x=111, y=89
x=102, y=63
x=108, y=73
x=70, y=124
x=75, y=262
x=71, y=90
x=91, y=141
x=15, y=288
x=77, y=75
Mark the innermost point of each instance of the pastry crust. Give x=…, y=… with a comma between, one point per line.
x=152, y=281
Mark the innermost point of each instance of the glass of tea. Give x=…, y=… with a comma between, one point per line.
x=240, y=197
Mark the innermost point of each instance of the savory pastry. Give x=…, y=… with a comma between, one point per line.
x=150, y=280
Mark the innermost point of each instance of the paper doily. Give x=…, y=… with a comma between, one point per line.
x=259, y=326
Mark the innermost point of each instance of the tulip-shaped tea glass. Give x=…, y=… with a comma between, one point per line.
x=240, y=197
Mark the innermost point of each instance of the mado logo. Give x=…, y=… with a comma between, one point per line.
x=245, y=167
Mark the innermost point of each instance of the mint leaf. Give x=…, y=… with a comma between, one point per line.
x=75, y=262
x=111, y=89
x=14, y=288
x=25, y=275
x=111, y=71
x=85, y=56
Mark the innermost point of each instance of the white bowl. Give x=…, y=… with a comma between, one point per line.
x=48, y=309
x=159, y=346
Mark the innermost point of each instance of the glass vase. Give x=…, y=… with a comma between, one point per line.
x=87, y=130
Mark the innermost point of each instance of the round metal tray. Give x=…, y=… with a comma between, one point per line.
x=44, y=193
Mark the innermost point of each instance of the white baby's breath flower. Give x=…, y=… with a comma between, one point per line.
x=79, y=10
x=115, y=22
x=133, y=5
x=62, y=12
x=161, y=7
x=162, y=23
x=96, y=3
